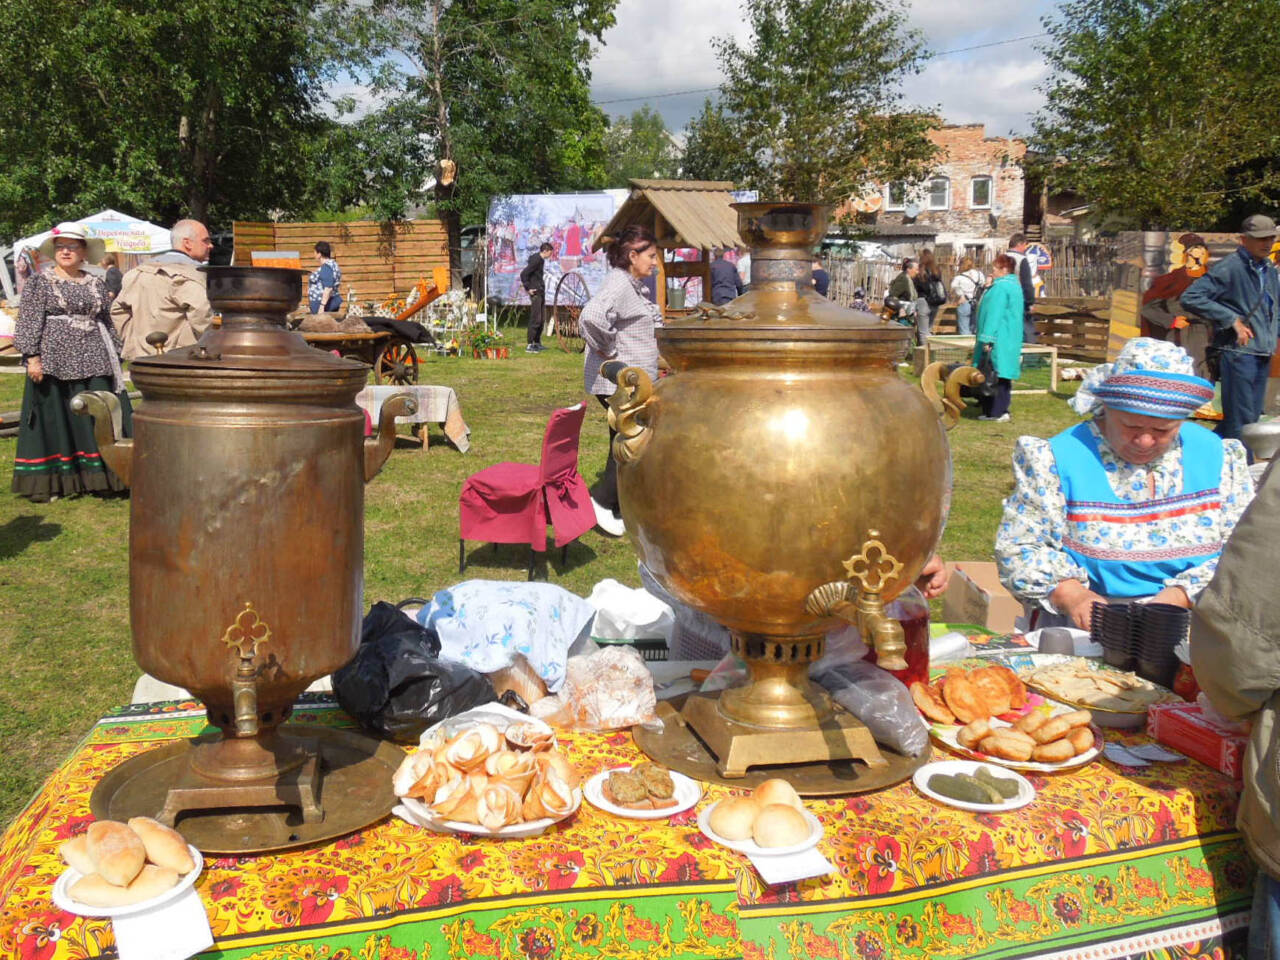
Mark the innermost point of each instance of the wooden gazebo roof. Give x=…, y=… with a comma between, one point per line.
x=688, y=213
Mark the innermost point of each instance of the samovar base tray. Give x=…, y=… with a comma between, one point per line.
x=354, y=791
x=676, y=746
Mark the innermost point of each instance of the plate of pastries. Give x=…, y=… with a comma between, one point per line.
x=771, y=820
x=1117, y=698
x=511, y=782
x=115, y=869
x=646, y=791
x=988, y=713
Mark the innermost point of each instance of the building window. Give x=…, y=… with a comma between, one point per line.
x=939, y=193
x=897, y=196
x=980, y=193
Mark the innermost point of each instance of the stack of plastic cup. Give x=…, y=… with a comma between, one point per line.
x=1111, y=626
x=1159, y=628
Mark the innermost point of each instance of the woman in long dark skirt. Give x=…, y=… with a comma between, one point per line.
x=68, y=345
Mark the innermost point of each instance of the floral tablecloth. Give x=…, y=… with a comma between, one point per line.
x=1106, y=862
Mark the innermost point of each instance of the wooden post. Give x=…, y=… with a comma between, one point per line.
x=661, y=286
x=706, y=276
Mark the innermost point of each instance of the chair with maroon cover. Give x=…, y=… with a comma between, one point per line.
x=514, y=502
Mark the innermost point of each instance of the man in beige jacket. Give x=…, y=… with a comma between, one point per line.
x=1235, y=652
x=166, y=294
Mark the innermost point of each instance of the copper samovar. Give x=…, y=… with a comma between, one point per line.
x=784, y=478
x=246, y=541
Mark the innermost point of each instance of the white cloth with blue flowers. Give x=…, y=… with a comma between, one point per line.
x=485, y=623
x=1029, y=542
x=1140, y=353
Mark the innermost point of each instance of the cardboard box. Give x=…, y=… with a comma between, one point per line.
x=976, y=595
x=1184, y=727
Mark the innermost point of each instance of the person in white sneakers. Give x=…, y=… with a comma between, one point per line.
x=618, y=324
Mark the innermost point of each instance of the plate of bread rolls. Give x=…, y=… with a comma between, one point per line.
x=771, y=821
x=1044, y=740
x=115, y=869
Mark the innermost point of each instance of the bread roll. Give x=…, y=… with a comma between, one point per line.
x=1055, y=751
x=734, y=818
x=118, y=853
x=971, y=734
x=165, y=846
x=75, y=852
x=1081, y=739
x=1031, y=722
x=151, y=881
x=779, y=825
x=777, y=791
x=1001, y=745
x=1054, y=729
x=1076, y=718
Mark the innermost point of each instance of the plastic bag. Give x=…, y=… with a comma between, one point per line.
x=605, y=690
x=879, y=700
x=624, y=613
x=395, y=687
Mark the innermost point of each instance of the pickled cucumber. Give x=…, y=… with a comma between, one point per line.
x=991, y=791
x=1006, y=787
x=969, y=791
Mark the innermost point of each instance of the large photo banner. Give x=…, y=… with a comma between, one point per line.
x=518, y=225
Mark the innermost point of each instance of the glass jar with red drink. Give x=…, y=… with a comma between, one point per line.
x=912, y=611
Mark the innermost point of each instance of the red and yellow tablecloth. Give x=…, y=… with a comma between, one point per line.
x=1106, y=862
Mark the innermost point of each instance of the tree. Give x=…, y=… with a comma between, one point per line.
x=711, y=148
x=482, y=98
x=639, y=147
x=1165, y=113
x=202, y=108
x=814, y=101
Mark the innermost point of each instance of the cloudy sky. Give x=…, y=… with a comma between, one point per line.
x=664, y=46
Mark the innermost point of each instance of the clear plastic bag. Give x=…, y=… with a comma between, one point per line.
x=605, y=690
x=879, y=700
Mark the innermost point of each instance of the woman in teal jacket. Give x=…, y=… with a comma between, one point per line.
x=1000, y=331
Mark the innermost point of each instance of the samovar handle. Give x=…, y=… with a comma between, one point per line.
x=104, y=407
x=949, y=405
x=629, y=409
x=378, y=447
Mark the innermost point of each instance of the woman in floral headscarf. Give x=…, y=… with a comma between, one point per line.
x=1133, y=503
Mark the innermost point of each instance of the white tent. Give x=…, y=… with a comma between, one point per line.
x=123, y=233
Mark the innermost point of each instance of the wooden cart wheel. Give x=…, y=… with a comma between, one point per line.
x=397, y=363
x=570, y=297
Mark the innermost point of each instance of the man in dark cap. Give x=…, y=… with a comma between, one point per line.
x=725, y=282
x=1240, y=296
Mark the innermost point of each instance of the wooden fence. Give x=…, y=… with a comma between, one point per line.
x=377, y=258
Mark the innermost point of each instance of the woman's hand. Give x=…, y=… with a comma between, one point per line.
x=934, y=578
x=1173, y=595
x=1073, y=599
x=35, y=370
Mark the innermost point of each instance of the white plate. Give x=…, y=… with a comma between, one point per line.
x=1084, y=646
x=1026, y=792
x=688, y=792
x=424, y=816
x=945, y=733
x=63, y=899
x=753, y=849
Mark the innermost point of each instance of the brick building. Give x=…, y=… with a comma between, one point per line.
x=975, y=197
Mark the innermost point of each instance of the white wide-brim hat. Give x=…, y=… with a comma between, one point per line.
x=95, y=248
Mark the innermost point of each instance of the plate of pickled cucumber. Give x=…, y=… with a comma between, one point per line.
x=969, y=785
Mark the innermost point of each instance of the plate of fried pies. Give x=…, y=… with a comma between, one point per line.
x=1115, y=697
x=646, y=791
x=1046, y=739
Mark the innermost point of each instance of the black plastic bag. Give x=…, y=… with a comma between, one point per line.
x=395, y=687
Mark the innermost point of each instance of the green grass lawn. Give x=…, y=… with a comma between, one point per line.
x=64, y=632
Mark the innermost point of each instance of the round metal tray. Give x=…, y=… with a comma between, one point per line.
x=355, y=791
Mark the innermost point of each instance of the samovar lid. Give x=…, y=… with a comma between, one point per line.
x=252, y=348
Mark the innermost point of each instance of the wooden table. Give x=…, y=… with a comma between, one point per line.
x=955, y=348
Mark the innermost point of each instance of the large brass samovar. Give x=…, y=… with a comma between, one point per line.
x=785, y=477
x=246, y=541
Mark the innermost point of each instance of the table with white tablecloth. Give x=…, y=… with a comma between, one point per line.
x=435, y=405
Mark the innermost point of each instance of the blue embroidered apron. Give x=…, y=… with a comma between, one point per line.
x=1140, y=563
